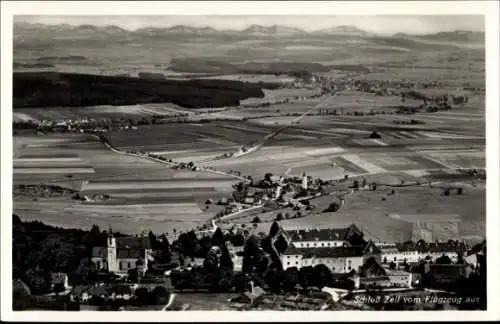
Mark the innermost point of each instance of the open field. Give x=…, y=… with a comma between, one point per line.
x=131, y=111
x=323, y=146
x=143, y=193
x=160, y=218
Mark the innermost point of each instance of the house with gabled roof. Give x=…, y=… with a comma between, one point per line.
x=371, y=250
x=372, y=268
x=122, y=254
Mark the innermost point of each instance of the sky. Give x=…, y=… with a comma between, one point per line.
x=378, y=24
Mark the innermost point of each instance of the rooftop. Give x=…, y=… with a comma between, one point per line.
x=133, y=242
x=373, y=268
x=320, y=234
x=127, y=247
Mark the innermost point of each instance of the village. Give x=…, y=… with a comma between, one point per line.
x=316, y=268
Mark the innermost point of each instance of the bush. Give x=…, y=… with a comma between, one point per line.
x=333, y=207
x=256, y=220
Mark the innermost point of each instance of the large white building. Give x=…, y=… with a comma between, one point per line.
x=340, y=249
x=337, y=259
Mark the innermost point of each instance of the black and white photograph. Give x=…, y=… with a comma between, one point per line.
x=252, y=162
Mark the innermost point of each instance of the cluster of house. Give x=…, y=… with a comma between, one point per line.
x=285, y=191
x=83, y=125
x=275, y=188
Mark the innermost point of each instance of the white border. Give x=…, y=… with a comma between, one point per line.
x=489, y=8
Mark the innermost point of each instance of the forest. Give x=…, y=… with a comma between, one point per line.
x=197, y=65
x=53, y=89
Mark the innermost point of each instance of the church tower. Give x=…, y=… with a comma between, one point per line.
x=112, y=256
x=304, y=181
x=278, y=191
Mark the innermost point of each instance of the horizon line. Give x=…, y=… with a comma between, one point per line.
x=206, y=26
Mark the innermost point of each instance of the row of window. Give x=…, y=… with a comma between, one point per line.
x=317, y=244
x=313, y=261
x=122, y=265
x=349, y=268
x=292, y=256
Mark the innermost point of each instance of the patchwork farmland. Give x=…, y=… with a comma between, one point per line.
x=351, y=130
x=142, y=193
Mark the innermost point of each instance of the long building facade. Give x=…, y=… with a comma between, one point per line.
x=342, y=250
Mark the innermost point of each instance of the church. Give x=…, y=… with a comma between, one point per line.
x=122, y=254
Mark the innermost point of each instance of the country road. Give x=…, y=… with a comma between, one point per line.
x=145, y=156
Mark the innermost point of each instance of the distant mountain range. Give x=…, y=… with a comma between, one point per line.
x=454, y=36
x=29, y=30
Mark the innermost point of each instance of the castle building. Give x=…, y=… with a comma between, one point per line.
x=340, y=249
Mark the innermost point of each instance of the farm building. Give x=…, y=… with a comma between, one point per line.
x=122, y=254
